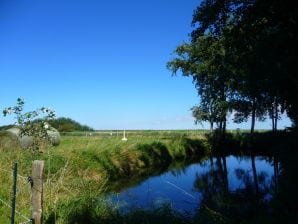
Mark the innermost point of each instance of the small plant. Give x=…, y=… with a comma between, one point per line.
x=32, y=123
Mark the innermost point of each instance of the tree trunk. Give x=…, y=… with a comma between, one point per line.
x=253, y=120
x=224, y=126
x=220, y=126
x=272, y=119
x=275, y=116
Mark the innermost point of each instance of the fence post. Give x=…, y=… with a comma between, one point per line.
x=37, y=190
x=14, y=192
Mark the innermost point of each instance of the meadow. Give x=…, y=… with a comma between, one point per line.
x=87, y=164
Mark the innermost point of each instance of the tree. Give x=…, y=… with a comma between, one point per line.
x=63, y=124
x=205, y=112
x=204, y=61
x=245, y=108
x=262, y=41
x=253, y=59
x=219, y=17
x=243, y=52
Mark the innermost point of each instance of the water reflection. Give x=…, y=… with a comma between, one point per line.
x=219, y=183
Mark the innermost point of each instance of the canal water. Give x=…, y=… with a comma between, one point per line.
x=186, y=189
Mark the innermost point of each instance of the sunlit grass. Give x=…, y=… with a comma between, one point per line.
x=80, y=167
x=83, y=167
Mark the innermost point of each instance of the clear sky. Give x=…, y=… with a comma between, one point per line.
x=101, y=63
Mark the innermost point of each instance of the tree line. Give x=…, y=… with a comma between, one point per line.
x=242, y=56
x=64, y=124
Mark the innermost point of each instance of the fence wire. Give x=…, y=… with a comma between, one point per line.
x=23, y=191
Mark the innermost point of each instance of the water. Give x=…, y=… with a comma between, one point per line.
x=206, y=182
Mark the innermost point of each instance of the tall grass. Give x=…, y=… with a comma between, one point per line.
x=10, y=154
x=78, y=170
x=82, y=168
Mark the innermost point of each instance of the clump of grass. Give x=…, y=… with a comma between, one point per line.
x=81, y=202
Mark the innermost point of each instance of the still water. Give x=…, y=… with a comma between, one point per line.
x=185, y=189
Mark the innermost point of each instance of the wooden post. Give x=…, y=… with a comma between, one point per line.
x=37, y=190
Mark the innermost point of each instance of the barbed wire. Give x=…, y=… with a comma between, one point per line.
x=10, y=171
x=17, y=212
x=23, y=190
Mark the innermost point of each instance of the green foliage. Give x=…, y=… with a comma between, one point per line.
x=242, y=58
x=68, y=125
x=205, y=61
x=32, y=123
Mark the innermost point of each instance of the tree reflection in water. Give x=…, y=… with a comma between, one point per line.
x=226, y=189
x=260, y=197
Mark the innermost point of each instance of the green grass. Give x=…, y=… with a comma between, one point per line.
x=82, y=168
x=78, y=170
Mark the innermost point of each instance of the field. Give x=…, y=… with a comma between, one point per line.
x=78, y=170
x=86, y=165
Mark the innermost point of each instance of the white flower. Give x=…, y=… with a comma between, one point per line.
x=46, y=126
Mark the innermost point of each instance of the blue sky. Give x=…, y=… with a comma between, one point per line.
x=101, y=63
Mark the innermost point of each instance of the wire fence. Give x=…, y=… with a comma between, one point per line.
x=15, y=197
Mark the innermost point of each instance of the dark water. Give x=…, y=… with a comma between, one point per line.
x=205, y=183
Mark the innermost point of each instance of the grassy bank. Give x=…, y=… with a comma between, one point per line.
x=77, y=170
x=83, y=167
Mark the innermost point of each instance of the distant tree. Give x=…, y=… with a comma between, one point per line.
x=275, y=109
x=68, y=125
x=5, y=127
x=245, y=108
x=204, y=112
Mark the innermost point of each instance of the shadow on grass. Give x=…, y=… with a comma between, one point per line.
x=91, y=212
